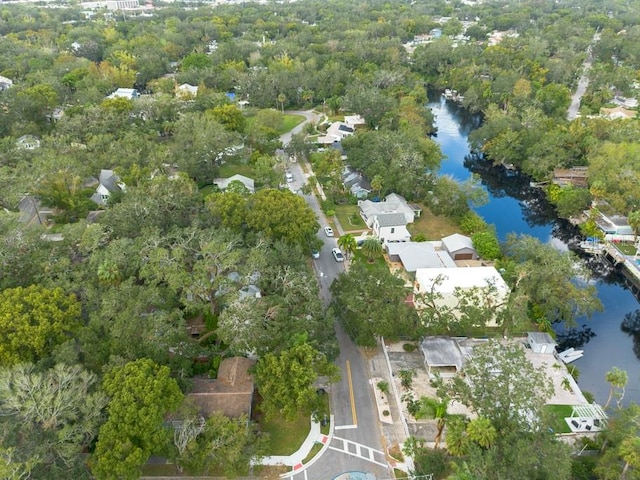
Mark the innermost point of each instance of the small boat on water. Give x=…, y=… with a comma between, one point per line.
x=592, y=247
x=570, y=355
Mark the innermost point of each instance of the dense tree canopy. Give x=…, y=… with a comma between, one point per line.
x=33, y=321
x=141, y=393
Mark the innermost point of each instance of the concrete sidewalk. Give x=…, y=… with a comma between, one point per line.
x=295, y=459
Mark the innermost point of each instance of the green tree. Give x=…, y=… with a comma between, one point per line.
x=195, y=61
x=435, y=408
x=141, y=394
x=230, y=116
x=230, y=208
x=49, y=418
x=500, y=384
x=33, y=320
x=370, y=304
x=286, y=381
x=222, y=443
x=617, y=379
x=487, y=245
x=619, y=453
x=347, y=243
x=544, y=277
x=372, y=248
x=281, y=215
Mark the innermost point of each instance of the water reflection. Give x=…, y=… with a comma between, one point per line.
x=610, y=338
x=631, y=326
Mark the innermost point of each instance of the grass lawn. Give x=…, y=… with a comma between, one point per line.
x=557, y=414
x=349, y=218
x=432, y=226
x=626, y=248
x=229, y=169
x=379, y=262
x=285, y=437
x=290, y=121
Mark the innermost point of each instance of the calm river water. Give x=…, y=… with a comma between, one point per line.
x=515, y=207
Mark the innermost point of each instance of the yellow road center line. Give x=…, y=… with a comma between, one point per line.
x=351, y=395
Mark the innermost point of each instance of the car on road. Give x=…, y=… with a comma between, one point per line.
x=315, y=253
x=337, y=254
x=328, y=231
x=289, y=177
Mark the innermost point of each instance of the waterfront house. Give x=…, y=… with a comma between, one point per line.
x=449, y=283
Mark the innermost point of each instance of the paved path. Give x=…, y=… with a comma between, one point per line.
x=583, y=83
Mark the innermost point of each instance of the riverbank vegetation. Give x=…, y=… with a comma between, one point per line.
x=131, y=295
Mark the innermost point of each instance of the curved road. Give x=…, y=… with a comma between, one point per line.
x=357, y=441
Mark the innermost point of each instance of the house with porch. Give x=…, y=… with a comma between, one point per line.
x=393, y=203
x=391, y=228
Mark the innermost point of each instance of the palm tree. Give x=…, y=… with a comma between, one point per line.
x=630, y=453
x=282, y=98
x=435, y=408
x=347, y=243
x=376, y=184
x=616, y=378
x=372, y=248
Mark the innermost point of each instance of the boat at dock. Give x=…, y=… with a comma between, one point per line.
x=570, y=355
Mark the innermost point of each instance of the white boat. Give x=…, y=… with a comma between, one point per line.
x=570, y=355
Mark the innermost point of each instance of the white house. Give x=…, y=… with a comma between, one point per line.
x=5, y=83
x=391, y=227
x=109, y=183
x=448, y=283
x=28, y=142
x=128, y=93
x=393, y=203
x=415, y=255
x=186, y=91
x=223, y=183
x=335, y=133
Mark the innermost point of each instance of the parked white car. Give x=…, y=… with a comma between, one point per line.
x=328, y=231
x=337, y=254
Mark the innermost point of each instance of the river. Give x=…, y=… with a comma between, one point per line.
x=516, y=207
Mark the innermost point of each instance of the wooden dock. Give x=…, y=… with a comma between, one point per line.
x=629, y=267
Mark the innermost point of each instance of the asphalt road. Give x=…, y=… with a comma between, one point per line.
x=357, y=444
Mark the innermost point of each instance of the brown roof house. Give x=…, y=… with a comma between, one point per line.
x=231, y=393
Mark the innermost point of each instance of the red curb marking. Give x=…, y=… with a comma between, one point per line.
x=324, y=439
x=297, y=467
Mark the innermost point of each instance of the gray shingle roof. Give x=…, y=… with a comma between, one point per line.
x=391, y=219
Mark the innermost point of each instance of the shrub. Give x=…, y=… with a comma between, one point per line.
x=409, y=347
x=386, y=413
x=420, y=237
x=406, y=378
x=487, y=245
x=383, y=386
x=471, y=223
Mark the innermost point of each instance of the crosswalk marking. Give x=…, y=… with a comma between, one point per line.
x=362, y=451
